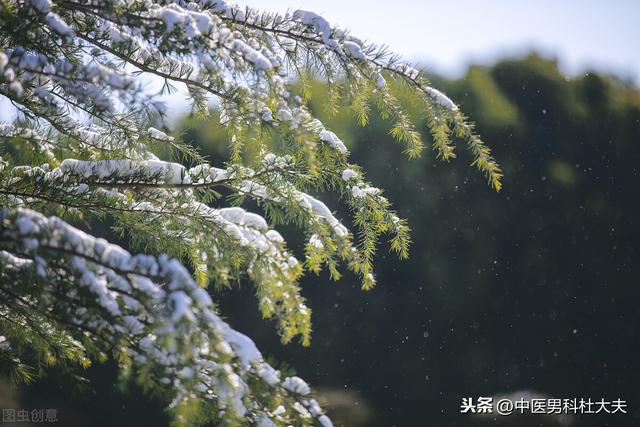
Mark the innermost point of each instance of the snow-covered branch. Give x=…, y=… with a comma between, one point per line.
x=90, y=143
x=161, y=320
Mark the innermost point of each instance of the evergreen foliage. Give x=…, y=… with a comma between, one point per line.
x=84, y=148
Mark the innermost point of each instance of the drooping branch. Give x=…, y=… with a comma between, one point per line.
x=87, y=147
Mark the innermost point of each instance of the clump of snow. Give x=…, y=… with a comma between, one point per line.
x=268, y=374
x=321, y=210
x=16, y=87
x=354, y=50
x=274, y=236
x=315, y=242
x=259, y=61
x=12, y=262
x=42, y=6
x=347, y=174
x=241, y=217
x=270, y=161
x=242, y=346
x=313, y=406
x=321, y=26
x=361, y=191
x=158, y=134
x=58, y=25
x=333, y=140
x=127, y=170
x=231, y=12
x=168, y=314
x=181, y=303
x=202, y=21
x=441, y=99
x=406, y=70
x=325, y=421
x=9, y=74
x=254, y=189
x=176, y=17
x=4, y=60
x=266, y=115
x=296, y=385
x=301, y=410
x=284, y=115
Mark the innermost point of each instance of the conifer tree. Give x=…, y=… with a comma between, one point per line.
x=85, y=147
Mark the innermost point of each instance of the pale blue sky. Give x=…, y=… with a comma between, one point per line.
x=449, y=34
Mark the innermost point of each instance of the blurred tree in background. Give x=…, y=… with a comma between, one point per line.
x=532, y=289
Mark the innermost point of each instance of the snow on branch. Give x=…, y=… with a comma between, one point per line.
x=90, y=142
x=153, y=308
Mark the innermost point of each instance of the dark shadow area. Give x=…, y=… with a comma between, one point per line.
x=535, y=288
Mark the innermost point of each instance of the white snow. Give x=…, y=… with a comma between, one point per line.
x=9, y=74
x=268, y=374
x=296, y=385
x=266, y=114
x=301, y=410
x=313, y=407
x=162, y=301
x=202, y=21
x=441, y=99
x=167, y=172
x=202, y=298
x=321, y=210
x=10, y=261
x=176, y=17
x=320, y=25
x=263, y=420
x=158, y=134
x=358, y=191
x=354, y=50
x=274, y=236
x=347, y=174
x=133, y=324
x=259, y=61
x=284, y=115
x=239, y=216
x=325, y=421
x=58, y=25
x=242, y=346
x=315, y=242
x=333, y=140
x=406, y=70
x=42, y=6
x=181, y=306
x=179, y=309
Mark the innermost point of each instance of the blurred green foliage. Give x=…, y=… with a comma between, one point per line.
x=532, y=288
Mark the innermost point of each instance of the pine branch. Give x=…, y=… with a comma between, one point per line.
x=89, y=146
